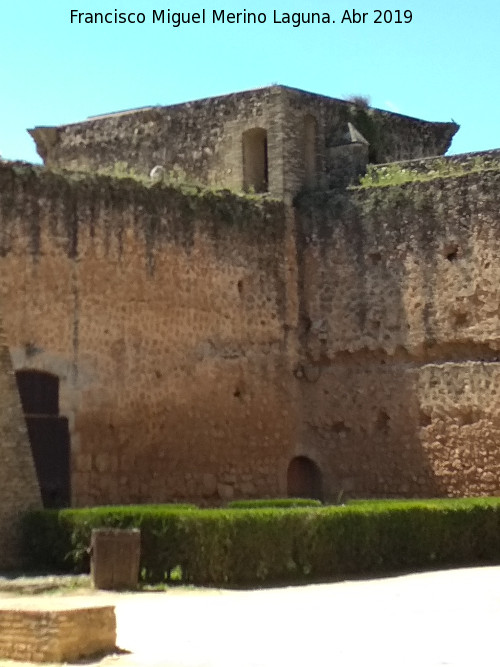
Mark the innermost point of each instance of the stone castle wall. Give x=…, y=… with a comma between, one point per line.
x=163, y=316
x=401, y=339
x=202, y=341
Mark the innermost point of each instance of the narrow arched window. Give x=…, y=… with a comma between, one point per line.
x=255, y=165
x=309, y=149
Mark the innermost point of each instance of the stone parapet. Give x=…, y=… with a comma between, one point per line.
x=466, y=162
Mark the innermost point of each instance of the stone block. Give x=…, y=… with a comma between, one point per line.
x=55, y=630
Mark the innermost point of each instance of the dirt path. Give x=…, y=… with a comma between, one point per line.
x=423, y=620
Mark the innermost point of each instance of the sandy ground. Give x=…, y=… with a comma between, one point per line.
x=432, y=619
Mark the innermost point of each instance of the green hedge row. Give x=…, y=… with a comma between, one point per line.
x=59, y=539
x=248, y=547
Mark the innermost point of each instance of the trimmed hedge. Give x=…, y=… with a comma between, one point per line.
x=59, y=539
x=262, y=503
x=266, y=546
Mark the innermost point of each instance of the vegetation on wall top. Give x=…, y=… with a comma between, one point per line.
x=166, y=209
x=398, y=174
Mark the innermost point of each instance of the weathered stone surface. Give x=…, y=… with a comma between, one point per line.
x=58, y=631
x=404, y=398
x=201, y=141
x=225, y=491
x=19, y=490
x=204, y=341
x=162, y=316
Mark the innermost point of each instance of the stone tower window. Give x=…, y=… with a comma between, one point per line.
x=310, y=150
x=255, y=165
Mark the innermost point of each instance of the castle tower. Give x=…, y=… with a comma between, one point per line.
x=274, y=140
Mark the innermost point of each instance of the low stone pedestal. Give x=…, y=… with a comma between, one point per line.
x=55, y=630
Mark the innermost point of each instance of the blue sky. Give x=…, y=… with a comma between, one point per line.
x=443, y=65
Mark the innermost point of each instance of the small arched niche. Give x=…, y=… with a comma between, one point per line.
x=255, y=162
x=309, y=150
x=304, y=479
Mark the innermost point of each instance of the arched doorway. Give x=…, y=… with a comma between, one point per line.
x=304, y=479
x=48, y=434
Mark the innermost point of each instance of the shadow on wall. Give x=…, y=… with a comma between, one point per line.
x=48, y=434
x=359, y=385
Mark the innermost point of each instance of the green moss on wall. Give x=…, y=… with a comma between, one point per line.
x=159, y=212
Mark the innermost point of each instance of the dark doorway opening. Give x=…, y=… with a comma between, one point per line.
x=304, y=479
x=48, y=434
